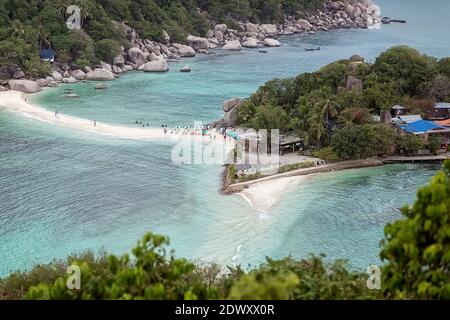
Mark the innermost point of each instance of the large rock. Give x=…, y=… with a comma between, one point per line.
x=356, y=58
x=232, y=45
x=78, y=74
x=26, y=86
x=231, y=103
x=250, y=43
x=136, y=56
x=100, y=75
x=269, y=29
x=119, y=60
x=19, y=74
x=218, y=35
x=268, y=42
x=43, y=82
x=184, y=51
x=197, y=42
x=354, y=84
x=221, y=27
x=57, y=76
x=155, y=66
x=7, y=71
x=231, y=116
x=69, y=80
x=165, y=36
x=251, y=27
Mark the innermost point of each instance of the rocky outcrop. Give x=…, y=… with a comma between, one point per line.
x=354, y=84
x=231, y=108
x=43, y=82
x=100, y=75
x=221, y=27
x=197, y=43
x=78, y=74
x=26, y=86
x=57, y=76
x=136, y=56
x=232, y=45
x=184, y=50
x=155, y=66
x=269, y=29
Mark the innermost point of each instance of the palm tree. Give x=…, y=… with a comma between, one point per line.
x=317, y=127
x=328, y=107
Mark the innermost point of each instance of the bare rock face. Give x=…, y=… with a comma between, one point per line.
x=43, y=82
x=100, y=75
x=209, y=34
x=183, y=50
x=218, y=35
x=232, y=45
x=57, y=76
x=356, y=58
x=354, y=84
x=268, y=42
x=197, y=42
x=155, y=66
x=250, y=43
x=26, y=86
x=221, y=27
x=78, y=74
x=231, y=103
x=270, y=29
x=165, y=36
x=136, y=56
x=19, y=74
x=251, y=28
x=119, y=60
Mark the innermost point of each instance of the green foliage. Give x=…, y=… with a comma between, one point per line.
x=360, y=142
x=416, y=249
x=434, y=144
x=232, y=172
x=296, y=166
x=250, y=177
x=107, y=50
x=405, y=65
x=409, y=144
x=326, y=154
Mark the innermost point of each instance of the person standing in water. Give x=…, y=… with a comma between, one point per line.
x=95, y=123
x=56, y=114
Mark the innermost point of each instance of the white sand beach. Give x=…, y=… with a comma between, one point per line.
x=16, y=102
x=264, y=195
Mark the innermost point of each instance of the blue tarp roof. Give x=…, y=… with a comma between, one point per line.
x=47, y=54
x=422, y=126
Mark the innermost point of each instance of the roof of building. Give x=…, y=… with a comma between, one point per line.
x=397, y=107
x=445, y=123
x=422, y=126
x=442, y=105
x=407, y=119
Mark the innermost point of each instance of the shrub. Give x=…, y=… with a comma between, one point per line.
x=326, y=154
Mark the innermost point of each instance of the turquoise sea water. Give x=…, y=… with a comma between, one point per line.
x=63, y=191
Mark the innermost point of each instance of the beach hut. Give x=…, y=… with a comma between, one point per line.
x=47, y=55
x=440, y=111
x=425, y=129
x=406, y=119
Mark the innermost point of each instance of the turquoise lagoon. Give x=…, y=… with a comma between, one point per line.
x=64, y=191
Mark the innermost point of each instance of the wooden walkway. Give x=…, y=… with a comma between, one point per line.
x=418, y=159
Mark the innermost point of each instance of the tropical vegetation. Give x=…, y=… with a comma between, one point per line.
x=338, y=107
x=29, y=25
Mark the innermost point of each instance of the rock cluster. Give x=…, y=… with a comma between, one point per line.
x=151, y=56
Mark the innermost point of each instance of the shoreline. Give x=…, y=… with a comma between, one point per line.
x=14, y=102
x=263, y=193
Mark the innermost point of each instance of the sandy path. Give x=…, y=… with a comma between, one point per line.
x=264, y=195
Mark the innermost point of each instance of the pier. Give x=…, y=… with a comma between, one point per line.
x=418, y=159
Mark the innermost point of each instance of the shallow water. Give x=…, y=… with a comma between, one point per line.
x=63, y=191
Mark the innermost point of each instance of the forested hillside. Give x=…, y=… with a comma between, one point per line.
x=28, y=25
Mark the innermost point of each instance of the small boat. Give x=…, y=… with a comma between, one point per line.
x=312, y=49
x=263, y=51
